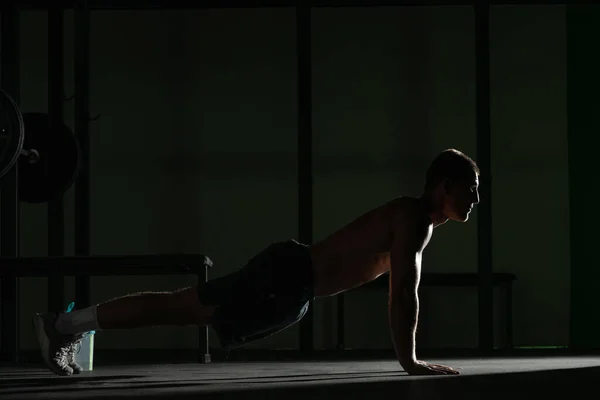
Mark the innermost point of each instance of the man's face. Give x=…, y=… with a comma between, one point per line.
x=460, y=197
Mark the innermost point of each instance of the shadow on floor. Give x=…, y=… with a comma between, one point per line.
x=551, y=384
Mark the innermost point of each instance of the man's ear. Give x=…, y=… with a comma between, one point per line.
x=447, y=186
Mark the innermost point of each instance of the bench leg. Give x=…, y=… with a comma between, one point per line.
x=509, y=317
x=340, y=322
x=204, y=352
x=203, y=343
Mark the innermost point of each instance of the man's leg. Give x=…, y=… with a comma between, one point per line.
x=179, y=308
x=59, y=333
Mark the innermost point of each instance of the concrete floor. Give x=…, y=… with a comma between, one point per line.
x=495, y=378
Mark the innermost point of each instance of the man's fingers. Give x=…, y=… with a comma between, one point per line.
x=435, y=369
x=443, y=368
x=425, y=368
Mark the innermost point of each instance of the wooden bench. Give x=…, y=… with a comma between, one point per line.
x=86, y=266
x=504, y=280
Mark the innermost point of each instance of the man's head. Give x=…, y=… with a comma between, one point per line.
x=453, y=182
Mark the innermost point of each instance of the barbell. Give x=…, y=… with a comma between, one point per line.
x=48, y=159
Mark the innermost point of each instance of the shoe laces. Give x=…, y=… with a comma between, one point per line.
x=74, y=347
x=61, y=357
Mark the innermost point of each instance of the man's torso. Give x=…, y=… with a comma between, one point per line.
x=360, y=251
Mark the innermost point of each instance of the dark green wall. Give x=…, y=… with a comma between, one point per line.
x=195, y=151
x=583, y=65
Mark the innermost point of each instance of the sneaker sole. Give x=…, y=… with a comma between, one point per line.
x=38, y=323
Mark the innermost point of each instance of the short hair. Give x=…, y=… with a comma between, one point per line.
x=450, y=164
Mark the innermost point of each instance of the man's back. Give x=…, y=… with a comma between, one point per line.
x=360, y=251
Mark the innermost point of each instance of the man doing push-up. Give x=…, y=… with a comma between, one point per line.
x=274, y=289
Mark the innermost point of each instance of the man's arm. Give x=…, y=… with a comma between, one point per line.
x=410, y=239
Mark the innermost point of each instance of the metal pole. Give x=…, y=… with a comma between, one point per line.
x=204, y=356
x=9, y=191
x=181, y=4
x=341, y=322
x=583, y=85
x=484, y=209
x=82, y=185
x=305, y=195
x=56, y=222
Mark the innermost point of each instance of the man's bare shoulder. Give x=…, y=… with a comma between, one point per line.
x=410, y=219
x=409, y=210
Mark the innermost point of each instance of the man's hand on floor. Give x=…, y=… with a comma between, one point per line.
x=425, y=368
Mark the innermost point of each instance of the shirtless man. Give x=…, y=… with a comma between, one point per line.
x=273, y=290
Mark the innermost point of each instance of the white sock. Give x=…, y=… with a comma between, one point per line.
x=78, y=321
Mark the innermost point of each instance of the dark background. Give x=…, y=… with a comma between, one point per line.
x=195, y=151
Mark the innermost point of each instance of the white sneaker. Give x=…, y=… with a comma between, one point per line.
x=58, y=350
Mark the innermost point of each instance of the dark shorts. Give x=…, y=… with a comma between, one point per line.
x=270, y=293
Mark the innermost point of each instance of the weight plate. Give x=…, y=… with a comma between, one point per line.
x=57, y=166
x=11, y=133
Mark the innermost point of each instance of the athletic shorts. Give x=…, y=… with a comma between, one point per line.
x=270, y=293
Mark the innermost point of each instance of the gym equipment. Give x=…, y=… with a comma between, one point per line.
x=49, y=159
x=11, y=133
x=51, y=162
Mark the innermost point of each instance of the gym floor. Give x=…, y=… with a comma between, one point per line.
x=481, y=378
